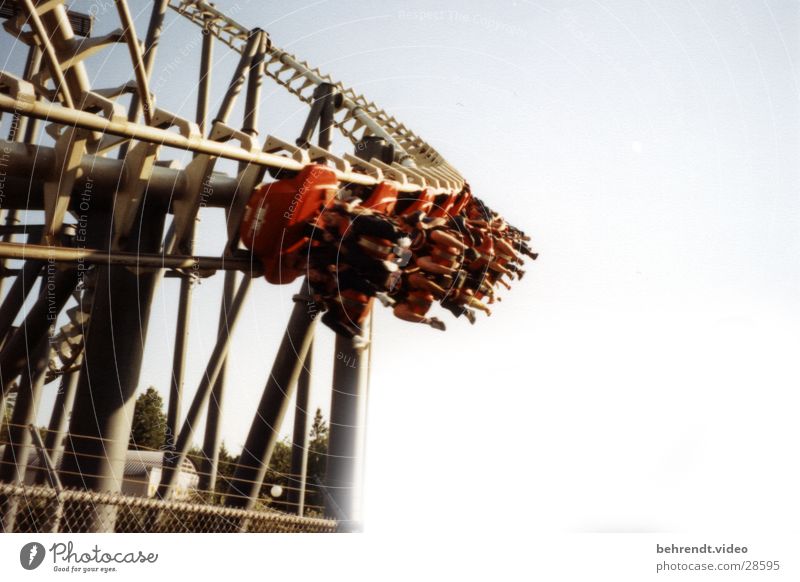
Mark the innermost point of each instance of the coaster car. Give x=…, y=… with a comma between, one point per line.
x=277, y=217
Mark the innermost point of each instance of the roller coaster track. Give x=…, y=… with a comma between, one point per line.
x=300, y=79
x=101, y=147
x=356, y=118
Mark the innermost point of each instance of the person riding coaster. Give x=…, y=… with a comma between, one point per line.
x=375, y=234
x=413, y=307
x=347, y=312
x=365, y=244
x=363, y=256
x=455, y=298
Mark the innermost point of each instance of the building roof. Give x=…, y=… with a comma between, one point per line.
x=136, y=462
x=139, y=462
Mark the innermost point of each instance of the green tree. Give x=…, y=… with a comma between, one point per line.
x=280, y=468
x=317, y=460
x=226, y=466
x=281, y=461
x=318, y=446
x=149, y=428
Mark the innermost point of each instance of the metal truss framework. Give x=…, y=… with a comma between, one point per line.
x=99, y=147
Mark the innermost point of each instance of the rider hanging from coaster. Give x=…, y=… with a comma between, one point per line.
x=413, y=303
x=369, y=251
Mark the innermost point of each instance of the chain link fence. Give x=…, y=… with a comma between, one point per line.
x=35, y=509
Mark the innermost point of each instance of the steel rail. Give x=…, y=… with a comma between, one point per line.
x=302, y=77
x=142, y=260
x=123, y=128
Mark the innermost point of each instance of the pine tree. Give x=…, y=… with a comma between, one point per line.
x=149, y=428
x=317, y=458
x=319, y=428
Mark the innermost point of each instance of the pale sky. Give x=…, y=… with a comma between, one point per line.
x=642, y=377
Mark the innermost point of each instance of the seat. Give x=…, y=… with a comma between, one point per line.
x=277, y=216
x=421, y=202
x=443, y=205
x=382, y=199
x=462, y=199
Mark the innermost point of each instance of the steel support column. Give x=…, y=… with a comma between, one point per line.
x=331, y=102
x=59, y=418
x=11, y=220
x=99, y=430
x=346, y=437
x=237, y=80
x=179, y=360
x=187, y=284
x=173, y=459
x=22, y=129
x=17, y=294
x=56, y=290
x=299, y=469
x=15, y=457
x=154, y=29
x=321, y=114
x=254, y=79
x=18, y=451
x=209, y=465
x=249, y=477
x=254, y=69
x=204, y=81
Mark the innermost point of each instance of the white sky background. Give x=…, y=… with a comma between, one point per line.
x=643, y=376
